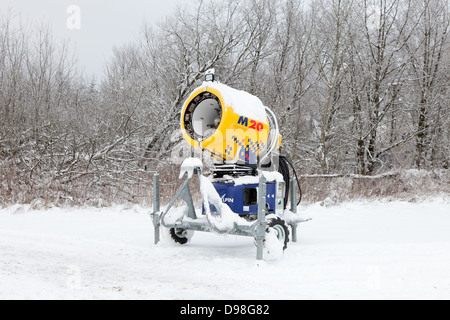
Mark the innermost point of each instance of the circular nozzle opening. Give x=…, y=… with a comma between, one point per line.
x=203, y=116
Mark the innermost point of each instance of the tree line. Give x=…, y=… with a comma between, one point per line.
x=359, y=87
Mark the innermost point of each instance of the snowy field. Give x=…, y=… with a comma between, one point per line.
x=376, y=250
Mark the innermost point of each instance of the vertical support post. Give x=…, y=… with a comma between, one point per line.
x=293, y=190
x=261, y=221
x=156, y=207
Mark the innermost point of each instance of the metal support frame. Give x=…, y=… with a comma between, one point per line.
x=260, y=230
x=296, y=219
x=183, y=193
x=156, y=208
x=256, y=230
x=192, y=222
x=293, y=196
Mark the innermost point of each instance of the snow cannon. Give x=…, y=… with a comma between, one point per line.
x=249, y=187
x=232, y=125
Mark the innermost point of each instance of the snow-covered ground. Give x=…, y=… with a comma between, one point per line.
x=386, y=250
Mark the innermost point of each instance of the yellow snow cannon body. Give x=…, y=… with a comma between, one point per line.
x=233, y=125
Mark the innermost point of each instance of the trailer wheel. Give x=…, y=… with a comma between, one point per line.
x=181, y=236
x=278, y=226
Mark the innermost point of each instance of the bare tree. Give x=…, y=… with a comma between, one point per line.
x=426, y=50
x=331, y=48
x=292, y=76
x=378, y=68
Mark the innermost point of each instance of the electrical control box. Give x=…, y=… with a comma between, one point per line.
x=243, y=199
x=280, y=190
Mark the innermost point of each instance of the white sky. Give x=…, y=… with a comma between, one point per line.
x=103, y=23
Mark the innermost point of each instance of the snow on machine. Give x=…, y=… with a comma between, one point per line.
x=249, y=189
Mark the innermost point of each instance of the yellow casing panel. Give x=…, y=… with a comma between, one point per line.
x=236, y=138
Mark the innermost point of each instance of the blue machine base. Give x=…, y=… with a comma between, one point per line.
x=242, y=199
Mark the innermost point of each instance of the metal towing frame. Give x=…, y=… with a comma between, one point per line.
x=257, y=229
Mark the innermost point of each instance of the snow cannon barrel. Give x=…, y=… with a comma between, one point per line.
x=232, y=125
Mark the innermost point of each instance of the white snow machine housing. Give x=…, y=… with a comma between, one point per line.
x=250, y=185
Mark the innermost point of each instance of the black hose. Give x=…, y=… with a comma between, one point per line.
x=284, y=170
x=283, y=166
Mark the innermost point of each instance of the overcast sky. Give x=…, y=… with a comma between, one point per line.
x=95, y=26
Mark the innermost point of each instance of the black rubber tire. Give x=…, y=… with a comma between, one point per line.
x=176, y=235
x=280, y=227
